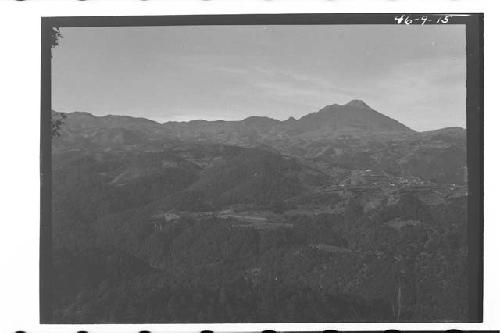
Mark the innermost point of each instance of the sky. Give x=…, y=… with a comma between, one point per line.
x=414, y=74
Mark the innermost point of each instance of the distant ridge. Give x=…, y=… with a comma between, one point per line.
x=355, y=119
x=353, y=105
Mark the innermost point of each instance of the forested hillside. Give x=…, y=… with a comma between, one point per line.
x=343, y=215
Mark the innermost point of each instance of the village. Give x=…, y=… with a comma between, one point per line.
x=367, y=183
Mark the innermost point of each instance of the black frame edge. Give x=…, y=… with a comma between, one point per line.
x=45, y=261
x=475, y=164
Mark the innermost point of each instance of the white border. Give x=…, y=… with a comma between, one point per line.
x=19, y=168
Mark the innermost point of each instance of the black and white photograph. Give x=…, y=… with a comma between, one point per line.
x=304, y=169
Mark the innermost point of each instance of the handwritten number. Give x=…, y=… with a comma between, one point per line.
x=400, y=19
x=403, y=18
x=406, y=19
x=445, y=20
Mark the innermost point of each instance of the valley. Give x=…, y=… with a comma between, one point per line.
x=343, y=215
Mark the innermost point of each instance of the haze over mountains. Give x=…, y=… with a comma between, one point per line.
x=344, y=214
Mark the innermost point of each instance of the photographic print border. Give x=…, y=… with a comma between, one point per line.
x=474, y=107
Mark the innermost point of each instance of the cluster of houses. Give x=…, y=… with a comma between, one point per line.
x=366, y=177
x=159, y=221
x=357, y=181
x=362, y=181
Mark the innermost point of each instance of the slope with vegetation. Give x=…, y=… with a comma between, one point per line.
x=343, y=215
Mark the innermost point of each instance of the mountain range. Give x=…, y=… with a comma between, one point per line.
x=331, y=122
x=350, y=136
x=342, y=215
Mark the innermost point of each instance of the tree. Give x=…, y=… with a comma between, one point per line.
x=57, y=119
x=278, y=206
x=54, y=37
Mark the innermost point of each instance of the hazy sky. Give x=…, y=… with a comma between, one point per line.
x=415, y=74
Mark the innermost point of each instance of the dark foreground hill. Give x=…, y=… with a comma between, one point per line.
x=344, y=215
